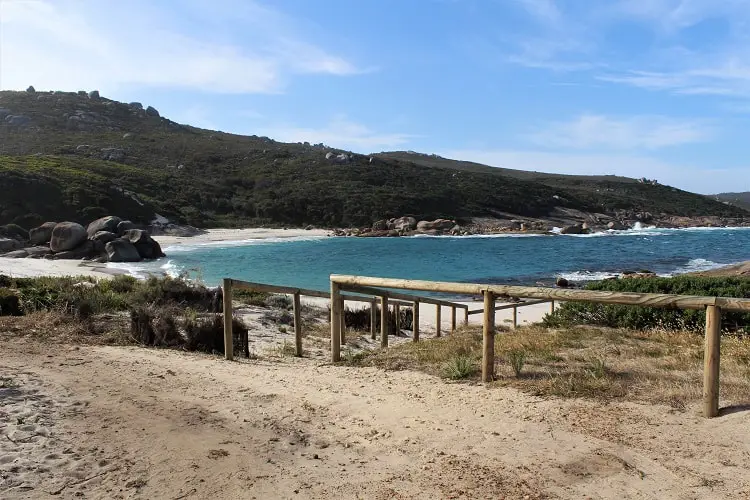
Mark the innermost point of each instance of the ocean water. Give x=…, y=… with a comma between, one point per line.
x=510, y=259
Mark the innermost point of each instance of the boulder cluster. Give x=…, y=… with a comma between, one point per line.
x=406, y=226
x=109, y=239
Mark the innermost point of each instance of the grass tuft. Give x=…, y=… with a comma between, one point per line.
x=460, y=367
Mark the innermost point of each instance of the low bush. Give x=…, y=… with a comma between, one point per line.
x=460, y=367
x=655, y=318
x=10, y=303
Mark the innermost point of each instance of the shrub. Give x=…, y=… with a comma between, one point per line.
x=460, y=367
x=10, y=303
x=639, y=318
x=516, y=359
x=278, y=302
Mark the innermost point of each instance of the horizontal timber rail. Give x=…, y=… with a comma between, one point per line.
x=288, y=290
x=229, y=284
x=512, y=306
x=712, y=305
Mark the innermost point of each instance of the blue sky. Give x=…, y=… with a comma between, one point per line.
x=655, y=88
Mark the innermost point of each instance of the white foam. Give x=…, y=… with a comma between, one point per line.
x=694, y=266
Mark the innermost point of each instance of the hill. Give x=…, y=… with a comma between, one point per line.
x=78, y=156
x=741, y=200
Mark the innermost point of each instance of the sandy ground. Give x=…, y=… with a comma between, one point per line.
x=29, y=268
x=219, y=235
x=113, y=422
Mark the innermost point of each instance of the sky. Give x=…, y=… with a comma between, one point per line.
x=641, y=88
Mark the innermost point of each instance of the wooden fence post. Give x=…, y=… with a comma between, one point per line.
x=488, y=334
x=336, y=314
x=228, y=334
x=383, y=321
x=297, y=325
x=466, y=317
x=397, y=312
x=552, y=307
x=515, y=316
x=437, y=320
x=343, y=322
x=711, y=355
x=453, y=318
x=415, y=322
x=373, y=317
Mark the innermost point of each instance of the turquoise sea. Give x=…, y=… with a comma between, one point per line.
x=512, y=259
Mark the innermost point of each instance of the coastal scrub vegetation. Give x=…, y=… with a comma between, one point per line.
x=616, y=316
x=121, y=160
x=587, y=362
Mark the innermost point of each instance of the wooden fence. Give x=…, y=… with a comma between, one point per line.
x=387, y=299
x=712, y=305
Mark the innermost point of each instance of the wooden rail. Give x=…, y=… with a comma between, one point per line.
x=396, y=301
x=712, y=305
x=515, y=307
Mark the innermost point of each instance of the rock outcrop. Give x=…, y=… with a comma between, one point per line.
x=104, y=237
x=89, y=249
x=43, y=234
x=436, y=225
x=120, y=250
x=575, y=229
x=145, y=245
x=403, y=224
x=109, y=224
x=124, y=226
x=9, y=245
x=67, y=236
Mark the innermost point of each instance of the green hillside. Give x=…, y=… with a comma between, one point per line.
x=741, y=200
x=76, y=157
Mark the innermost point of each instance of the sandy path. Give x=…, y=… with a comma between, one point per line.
x=138, y=423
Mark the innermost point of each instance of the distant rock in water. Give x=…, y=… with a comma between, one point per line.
x=147, y=247
x=122, y=251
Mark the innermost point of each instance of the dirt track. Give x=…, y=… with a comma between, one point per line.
x=110, y=422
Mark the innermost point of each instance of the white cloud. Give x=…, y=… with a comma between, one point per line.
x=85, y=44
x=689, y=177
x=545, y=11
x=590, y=131
x=342, y=133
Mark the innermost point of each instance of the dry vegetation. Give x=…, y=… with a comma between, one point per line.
x=600, y=363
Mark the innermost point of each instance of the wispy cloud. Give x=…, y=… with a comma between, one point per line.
x=590, y=131
x=545, y=11
x=340, y=132
x=684, y=176
x=85, y=44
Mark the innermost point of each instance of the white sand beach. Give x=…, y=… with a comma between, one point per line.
x=228, y=235
x=27, y=268
x=31, y=268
